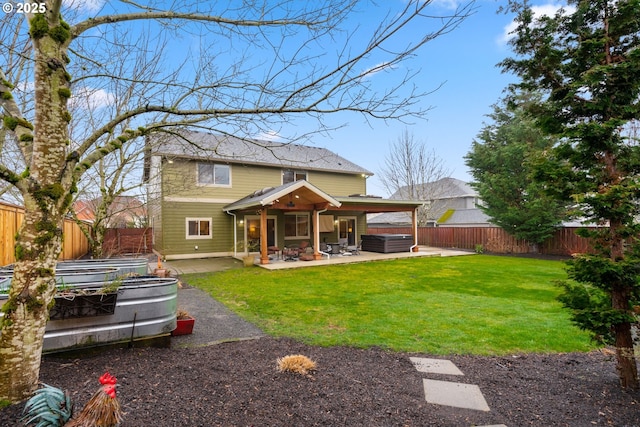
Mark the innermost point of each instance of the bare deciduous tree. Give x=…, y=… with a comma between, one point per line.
x=233, y=69
x=413, y=172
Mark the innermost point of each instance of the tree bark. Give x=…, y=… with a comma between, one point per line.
x=620, y=297
x=46, y=187
x=26, y=312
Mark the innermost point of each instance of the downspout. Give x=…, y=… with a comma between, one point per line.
x=318, y=225
x=235, y=234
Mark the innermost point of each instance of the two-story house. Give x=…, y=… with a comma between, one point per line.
x=217, y=195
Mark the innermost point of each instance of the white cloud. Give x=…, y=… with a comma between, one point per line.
x=26, y=86
x=447, y=4
x=376, y=69
x=91, y=99
x=84, y=5
x=549, y=9
x=271, y=135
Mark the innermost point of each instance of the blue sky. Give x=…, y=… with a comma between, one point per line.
x=464, y=61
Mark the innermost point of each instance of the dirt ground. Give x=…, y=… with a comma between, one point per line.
x=238, y=384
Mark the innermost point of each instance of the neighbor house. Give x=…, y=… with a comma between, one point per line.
x=123, y=212
x=452, y=203
x=217, y=195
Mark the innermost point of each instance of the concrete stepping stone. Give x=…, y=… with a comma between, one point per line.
x=458, y=395
x=435, y=366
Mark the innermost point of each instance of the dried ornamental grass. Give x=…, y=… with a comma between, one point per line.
x=296, y=363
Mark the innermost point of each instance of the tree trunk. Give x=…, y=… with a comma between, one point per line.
x=620, y=301
x=96, y=243
x=46, y=187
x=26, y=311
x=626, y=362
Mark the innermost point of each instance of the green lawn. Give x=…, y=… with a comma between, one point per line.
x=468, y=305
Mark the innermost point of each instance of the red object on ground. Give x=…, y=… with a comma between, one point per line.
x=184, y=327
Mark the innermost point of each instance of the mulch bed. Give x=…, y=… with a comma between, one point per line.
x=237, y=384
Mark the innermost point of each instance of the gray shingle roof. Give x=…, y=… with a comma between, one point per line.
x=468, y=217
x=229, y=149
x=445, y=188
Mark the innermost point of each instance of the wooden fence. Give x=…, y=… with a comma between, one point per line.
x=493, y=239
x=74, y=246
x=127, y=241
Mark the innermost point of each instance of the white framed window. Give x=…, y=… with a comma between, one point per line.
x=296, y=226
x=214, y=174
x=292, y=175
x=198, y=228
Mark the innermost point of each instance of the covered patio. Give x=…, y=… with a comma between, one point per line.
x=302, y=196
x=423, y=251
x=206, y=265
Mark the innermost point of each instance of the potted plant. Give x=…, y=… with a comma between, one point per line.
x=247, y=258
x=184, y=323
x=160, y=272
x=74, y=302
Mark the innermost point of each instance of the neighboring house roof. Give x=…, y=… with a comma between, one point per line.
x=212, y=147
x=84, y=211
x=467, y=217
x=445, y=188
x=122, y=210
x=389, y=219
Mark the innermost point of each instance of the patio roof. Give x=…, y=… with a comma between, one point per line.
x=298, y=195
x=373, y=204
x=302, y=195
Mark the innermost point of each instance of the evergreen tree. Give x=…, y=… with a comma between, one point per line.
x=501, y=162
x=586, y=60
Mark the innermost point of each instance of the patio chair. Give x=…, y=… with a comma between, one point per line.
x=274, y=250
x=293, y=252
x=355, y=249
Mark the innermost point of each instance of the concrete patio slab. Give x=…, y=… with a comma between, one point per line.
x=458, y=395
x=435, y=366
x=364, y=256
x=205, y=265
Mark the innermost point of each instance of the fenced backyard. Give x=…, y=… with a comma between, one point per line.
x=75, y=244
x=492, y=239
x=128, y=241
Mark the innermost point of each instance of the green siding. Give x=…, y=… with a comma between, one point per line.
x=189, y=200
x=336, y=184
x=180, y=180
x=174, y=222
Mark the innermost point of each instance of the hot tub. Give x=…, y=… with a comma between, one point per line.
x=387, y=243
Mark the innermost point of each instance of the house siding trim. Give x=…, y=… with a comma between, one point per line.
x=197, y=200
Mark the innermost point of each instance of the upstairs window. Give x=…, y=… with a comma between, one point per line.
x=291, y=175
x=214, y=174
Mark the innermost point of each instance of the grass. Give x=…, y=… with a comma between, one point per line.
x=464, y=305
